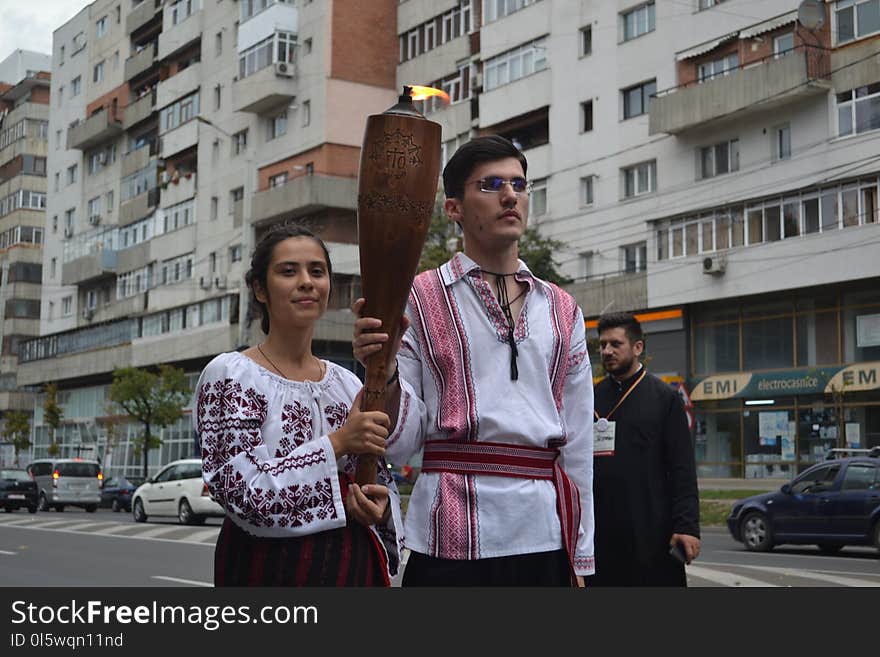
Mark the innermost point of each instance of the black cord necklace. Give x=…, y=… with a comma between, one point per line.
x=504, y=302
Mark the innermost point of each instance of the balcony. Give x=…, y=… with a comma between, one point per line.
x=140, y=62
x=767, y=84
x=138, y=207
x=140, y=110
x=179, y=85
x=623, y=290
x=137, y=160
x=265, y=90
x=141, y=15
x=97, y=128
x=304, y=195
x=179, y=139
x=516, y=98
x=175, y=37
x=130, y=307
x=91, y=267
x=179, y=189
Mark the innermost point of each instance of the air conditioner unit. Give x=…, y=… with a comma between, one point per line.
x=220, y=282
x=68, y=231
x=95, y=219
x=205, y=282
x=714, y=265
x=284, y=69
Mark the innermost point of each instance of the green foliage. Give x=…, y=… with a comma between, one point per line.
x=52, y=415
x=16, y=430
x=155, y=400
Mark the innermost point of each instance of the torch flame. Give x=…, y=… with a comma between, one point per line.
x=421, y=93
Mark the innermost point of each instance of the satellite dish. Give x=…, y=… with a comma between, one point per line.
x=811, y=14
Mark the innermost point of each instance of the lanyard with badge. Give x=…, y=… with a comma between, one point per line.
x=604, y=429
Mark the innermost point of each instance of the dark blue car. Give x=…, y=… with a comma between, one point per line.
x=116, y=493
x=832, y=504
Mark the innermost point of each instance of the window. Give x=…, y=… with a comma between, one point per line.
x=640, y=179
x=110, y=198
x=53, y=267
x=307, y=46
x=94, y=209
x=280, y=47
x=62, y=55
x=816, y=481
x=76, y=86
x=278, y=125
x=587, y=116
x=217, y=89
x=706, y=4
x=235, y=253
x=183, y=9
x=57, y=139
x=71, y=174
x=856, y=19
x=61, y=95
x=179, y=215
x=496, y=9
x=101, y=27
x=218, y=44
x=91, y=299
x=179, y=113
x=69, y=220
x=306, y=112
x=858, y=110
x=634, y=257
x=638, y=21
x=538, y=197
x=783, y=44
x=215, y=203
x=67, y=306
x=718, y=159
x=98, y=72
x=515, y=64
x=55, y=224
x=588, y=184
x=586, y=41
x=860, y=476
x=278, y=180
x=717, y=67
x=237, y=194
x=239, y=142
x=782, y=142
x=637, y=99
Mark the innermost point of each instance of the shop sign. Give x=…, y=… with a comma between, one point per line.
x=804, y=381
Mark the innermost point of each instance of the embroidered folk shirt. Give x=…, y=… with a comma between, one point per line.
x=455, y=358
x=266, y=452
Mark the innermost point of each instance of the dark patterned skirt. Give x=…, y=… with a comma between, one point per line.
x=347, y=556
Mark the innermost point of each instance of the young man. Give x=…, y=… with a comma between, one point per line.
x=645, y=483
x=498, y=361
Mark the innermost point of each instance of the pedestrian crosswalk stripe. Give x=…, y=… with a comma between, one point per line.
x=201, y=535
x=724, y=578
x=156, y=531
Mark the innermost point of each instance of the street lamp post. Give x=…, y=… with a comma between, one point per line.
x=247, y=236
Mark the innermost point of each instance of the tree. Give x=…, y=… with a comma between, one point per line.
x=52, y=415
x=153, y=400
x=17, y=430
x=536, y=251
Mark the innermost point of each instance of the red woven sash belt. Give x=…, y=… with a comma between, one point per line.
x=504, y=460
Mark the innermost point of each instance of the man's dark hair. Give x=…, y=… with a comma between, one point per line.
x=261, y=260
x=475, y=152
x=626, y=321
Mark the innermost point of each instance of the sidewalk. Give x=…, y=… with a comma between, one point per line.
x=741, y=484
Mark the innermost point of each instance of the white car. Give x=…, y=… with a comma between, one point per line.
x=178, y=490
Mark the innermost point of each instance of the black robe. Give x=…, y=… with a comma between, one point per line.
x=647, y=491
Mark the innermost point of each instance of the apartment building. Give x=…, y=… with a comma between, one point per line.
x=711, y=165
x=24, y=122
x=182, y=131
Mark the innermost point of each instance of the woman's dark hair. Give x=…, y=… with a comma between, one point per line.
x=477, y=151
x=261, y=259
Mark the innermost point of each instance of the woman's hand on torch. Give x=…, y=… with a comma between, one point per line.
x=368, y=504
x=364, y=432
x=367, y=340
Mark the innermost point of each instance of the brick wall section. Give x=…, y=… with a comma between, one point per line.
x=327, y=159
x=364, y=42
x=40, y=95
x=120, y=94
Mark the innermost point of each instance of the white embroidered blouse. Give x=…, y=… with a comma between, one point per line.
x=456, y=356
x=266, y=452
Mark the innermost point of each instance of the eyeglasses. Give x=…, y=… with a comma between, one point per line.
x=495, y=184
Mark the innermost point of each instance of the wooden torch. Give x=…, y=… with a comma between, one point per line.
x=399, y=171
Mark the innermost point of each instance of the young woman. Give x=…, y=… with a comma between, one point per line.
x=280, y=430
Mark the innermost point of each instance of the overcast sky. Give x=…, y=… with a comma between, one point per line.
x=29, y=24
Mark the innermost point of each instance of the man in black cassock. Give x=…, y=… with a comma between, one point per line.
x=644, y=476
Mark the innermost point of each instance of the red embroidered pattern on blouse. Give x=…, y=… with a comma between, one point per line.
x=336, y=414
x=296, y=423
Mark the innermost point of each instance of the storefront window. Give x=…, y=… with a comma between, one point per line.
x=768, y=343
x=769, y=436
x=717, y=443
x=716, y=348
x=817, y=429
x=861, y=327
x=817, y=339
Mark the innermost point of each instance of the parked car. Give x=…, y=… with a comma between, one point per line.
x=17, y=490
x=62, y=482
x=177, y=490
x=116, y=493
x=832, y=504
